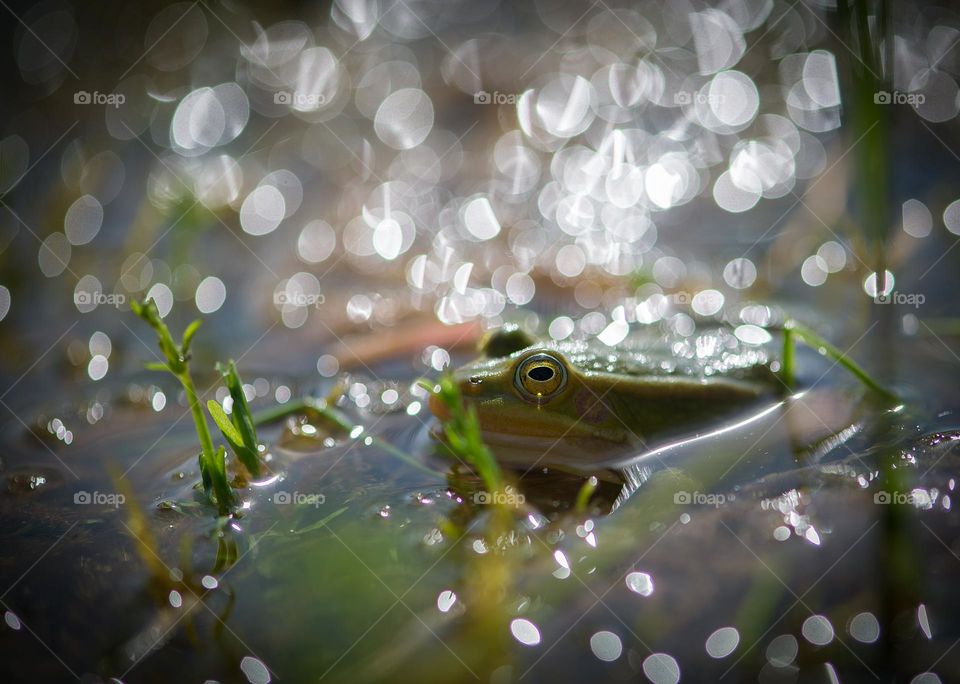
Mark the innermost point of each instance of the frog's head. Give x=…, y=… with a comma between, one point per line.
x=525, y=391
x=532, y=396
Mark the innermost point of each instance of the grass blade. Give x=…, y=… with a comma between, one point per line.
x=227, y=428
x=212, y=467
x=793, y=329
x=247, y=448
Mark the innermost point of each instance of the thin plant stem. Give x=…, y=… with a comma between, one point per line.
x=794, y=330
x=583, y=496
x=788, y=371
x=304, y=404
x=212, y=464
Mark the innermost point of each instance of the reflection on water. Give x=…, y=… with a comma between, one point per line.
x=354, y=193
x=242, y=161
x=348, y=563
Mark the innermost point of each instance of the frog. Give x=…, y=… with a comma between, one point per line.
x=583, y=398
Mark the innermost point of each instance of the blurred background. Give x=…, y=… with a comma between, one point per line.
x=299, y=173
x=364, y=187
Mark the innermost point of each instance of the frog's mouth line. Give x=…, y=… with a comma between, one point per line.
x=575, y=451
x=560, y=441
x=592, y=453
x=497, y=419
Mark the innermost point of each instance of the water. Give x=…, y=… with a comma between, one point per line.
x=359, y=190
x=347, y=564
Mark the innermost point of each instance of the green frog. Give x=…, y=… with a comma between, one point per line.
x=576, y=400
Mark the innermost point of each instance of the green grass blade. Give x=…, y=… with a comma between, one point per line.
x=462, y=432
x=788, y=372
x=242, y=419
x=188, y=335
x=583, y=496
x=227, y=428
x=815, y=341
x=212, y=467
x=156, y=366
x=221, y=486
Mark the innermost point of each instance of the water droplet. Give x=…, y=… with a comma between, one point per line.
x=606, y=646
x=817, y=630
x=640, y=583
x=254, y=670
x=661, y=668
x=864, y=627
x=525, y=632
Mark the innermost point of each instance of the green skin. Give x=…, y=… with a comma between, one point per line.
x=611, y=397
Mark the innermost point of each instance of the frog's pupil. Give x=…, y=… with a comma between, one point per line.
x=540, y=373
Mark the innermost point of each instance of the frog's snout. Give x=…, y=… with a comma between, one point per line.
x=470, y=389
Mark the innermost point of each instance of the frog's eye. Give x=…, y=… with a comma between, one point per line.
x=541, y=376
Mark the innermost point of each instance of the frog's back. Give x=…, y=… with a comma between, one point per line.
x=647, y=351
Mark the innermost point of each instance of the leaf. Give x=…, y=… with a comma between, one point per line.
x=221, y=486
x=815, y=341
x=319, y=524
x=587, y=489
x=463, y=435
x=427, y=384
x=147, y=310
x=213, y=471
x=188, y=336
x=242, y=419
x=205, y=475
x=157, y=366
x=222, y=420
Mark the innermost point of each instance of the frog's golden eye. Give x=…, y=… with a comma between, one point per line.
x=541, y=376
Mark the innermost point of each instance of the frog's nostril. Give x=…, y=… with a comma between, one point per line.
x=541, y=373
x=475, y=380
